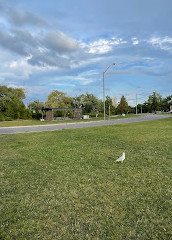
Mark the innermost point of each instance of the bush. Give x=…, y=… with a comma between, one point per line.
x=36, y=115
x=4, y=118
x=69, y=114
x=100, y=114
x=92, y=114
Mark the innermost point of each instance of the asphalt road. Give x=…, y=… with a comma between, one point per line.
x=54, y=127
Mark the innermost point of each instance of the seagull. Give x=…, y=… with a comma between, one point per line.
x=121, y=159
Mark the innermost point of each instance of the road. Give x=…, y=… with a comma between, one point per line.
x=60, y=126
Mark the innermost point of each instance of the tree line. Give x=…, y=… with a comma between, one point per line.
x=156, y=103
x=89, y=103
x=12, y=106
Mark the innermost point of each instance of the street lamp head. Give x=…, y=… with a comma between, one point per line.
x=113, y=63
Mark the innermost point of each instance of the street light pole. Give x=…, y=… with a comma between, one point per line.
x=104, y=93
x=104, y=86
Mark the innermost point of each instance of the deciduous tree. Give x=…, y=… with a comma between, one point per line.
x=90, y=102
x=166, y=103
x=155, y=102
x=11, y=102
x=58, y=99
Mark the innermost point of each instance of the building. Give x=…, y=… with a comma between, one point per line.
x=115, y=102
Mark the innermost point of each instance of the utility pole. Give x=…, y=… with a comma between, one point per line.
x=109, y=112
x=52, y=114
x=136, y=103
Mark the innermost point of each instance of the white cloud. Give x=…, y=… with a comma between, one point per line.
x=102, y=46
x=89, y=73
x=83, y=78
x=135, y=41
x=62, y=84
x=164, y=43
x=83, y=62
x=20, y=69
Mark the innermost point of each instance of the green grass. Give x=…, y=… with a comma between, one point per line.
x=66, y=184
x=38, y=122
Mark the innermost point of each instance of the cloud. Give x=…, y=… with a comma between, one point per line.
x=20, y=42
x=18, y=69
x=26, y=37
x=49, y=59
x=25, y=18
x=135, y=41
x=51, y=50
x=59, y=42
x=164, y=43
x=82, y=78
x=34, y=49
x=11, y=43
x=102, y=46
x=21, y=69
x=20, y=17
x=63, y=84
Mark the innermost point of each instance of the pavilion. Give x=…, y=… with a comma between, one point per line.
x=50, y=113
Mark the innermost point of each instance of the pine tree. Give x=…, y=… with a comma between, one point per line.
x=123, y=106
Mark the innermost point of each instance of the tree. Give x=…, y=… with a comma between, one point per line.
x=166, y=103
x=108, y=103
x=100, y=107
x=90, y=103
x=123, y=106
x=139, y=107
x=149, y=105
x=35, y=108
x=145, y=108
x=58, y=99
x=155, y=102
x=131, y=109
x=11, y=102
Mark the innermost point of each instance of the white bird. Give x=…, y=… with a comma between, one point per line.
x=121, y=159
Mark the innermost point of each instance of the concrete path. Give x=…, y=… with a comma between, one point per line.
x=54, y=127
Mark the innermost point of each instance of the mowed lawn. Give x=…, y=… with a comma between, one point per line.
x=66, y=184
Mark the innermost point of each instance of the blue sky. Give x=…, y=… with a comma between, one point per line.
x=66, y=45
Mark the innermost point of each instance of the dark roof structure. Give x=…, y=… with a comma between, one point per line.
x=61, y=109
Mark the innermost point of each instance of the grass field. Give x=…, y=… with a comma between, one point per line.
x=66, y=184
x=38, y=122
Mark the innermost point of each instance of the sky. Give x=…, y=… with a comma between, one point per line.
x=67, y=45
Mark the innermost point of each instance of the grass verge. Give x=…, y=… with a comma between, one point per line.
x=38, y=122
x=66, y=184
